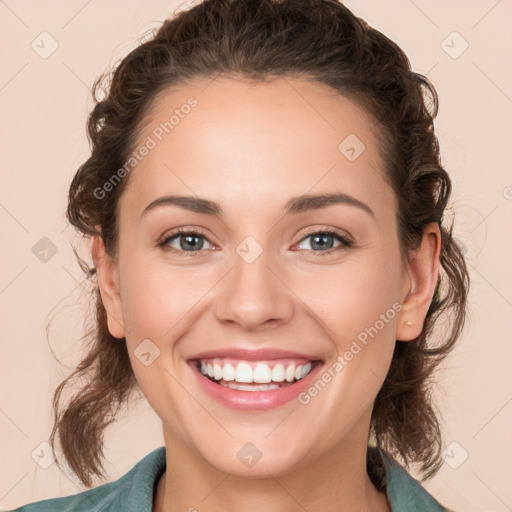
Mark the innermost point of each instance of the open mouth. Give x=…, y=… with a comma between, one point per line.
x=254, y=375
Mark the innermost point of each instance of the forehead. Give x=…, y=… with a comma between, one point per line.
x=245, y=142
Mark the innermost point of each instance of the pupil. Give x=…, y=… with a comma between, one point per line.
x=322, y=244
x=190, y=240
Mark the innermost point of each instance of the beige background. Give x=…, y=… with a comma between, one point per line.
x=44, y=103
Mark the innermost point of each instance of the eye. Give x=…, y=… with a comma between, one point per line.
x=324, y=240
x=189, y=243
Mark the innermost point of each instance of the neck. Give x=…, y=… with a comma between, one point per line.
x=337, y=481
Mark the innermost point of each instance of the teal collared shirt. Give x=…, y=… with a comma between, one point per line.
x=133, y=492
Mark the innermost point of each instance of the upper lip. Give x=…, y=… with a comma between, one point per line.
x=252, y=354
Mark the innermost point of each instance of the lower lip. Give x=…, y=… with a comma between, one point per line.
x=256, y=400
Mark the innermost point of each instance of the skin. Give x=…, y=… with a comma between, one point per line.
x=251, y=147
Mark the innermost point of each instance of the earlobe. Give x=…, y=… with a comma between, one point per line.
x=108, y=283
x=423, y=271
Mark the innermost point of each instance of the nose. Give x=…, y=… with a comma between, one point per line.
x=254, y=295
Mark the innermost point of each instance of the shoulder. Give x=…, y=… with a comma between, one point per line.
x=132, y=492
x=403, y=491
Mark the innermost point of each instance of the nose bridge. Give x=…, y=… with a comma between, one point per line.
x=252, y=293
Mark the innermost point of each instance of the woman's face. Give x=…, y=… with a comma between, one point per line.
x=260, y=275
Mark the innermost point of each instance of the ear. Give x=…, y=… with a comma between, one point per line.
x=108, y=281
x=423, y=271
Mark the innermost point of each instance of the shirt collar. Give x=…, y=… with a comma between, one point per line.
x=403, y=491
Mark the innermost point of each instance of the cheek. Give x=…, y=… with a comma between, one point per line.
x=158, y=304
x=357, y=305
x=156, y=297
x=146, y=308
x=352, y=297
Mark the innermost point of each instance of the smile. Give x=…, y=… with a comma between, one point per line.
x=233, y=374
x=249, y=384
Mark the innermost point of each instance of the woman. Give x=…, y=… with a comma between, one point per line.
x=265, y=202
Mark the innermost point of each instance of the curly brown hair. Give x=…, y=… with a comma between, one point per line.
x=263, y=39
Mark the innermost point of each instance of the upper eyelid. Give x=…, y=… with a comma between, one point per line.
x=184, y=231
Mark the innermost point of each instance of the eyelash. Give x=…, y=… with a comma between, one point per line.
x=345, y=243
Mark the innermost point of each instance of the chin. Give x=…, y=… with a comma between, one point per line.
x=254, y=460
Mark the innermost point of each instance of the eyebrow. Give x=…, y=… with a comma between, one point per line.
x=293, y=206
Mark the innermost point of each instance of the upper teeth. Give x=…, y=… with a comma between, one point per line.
x=261, y=373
